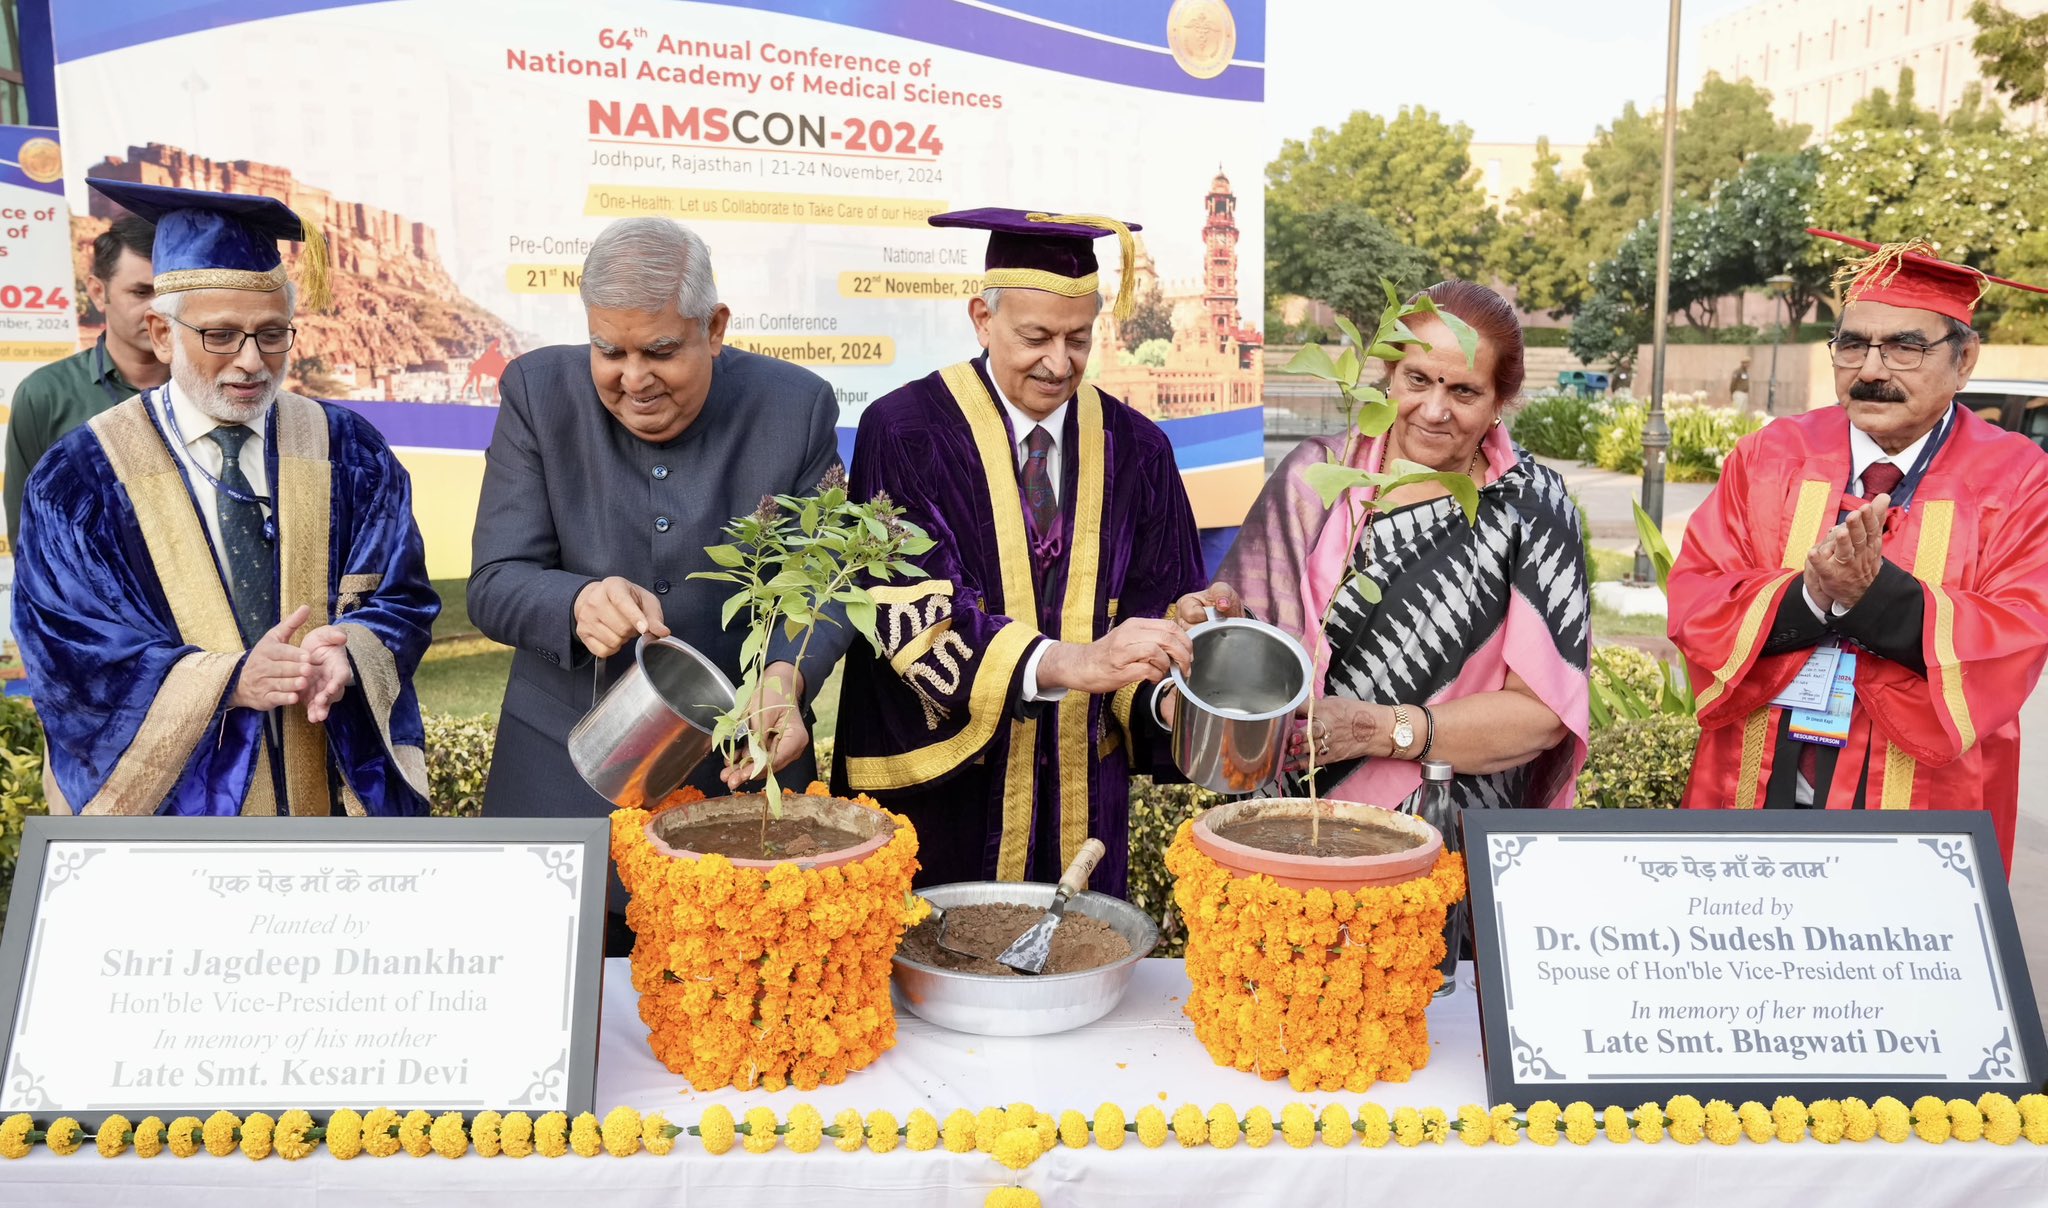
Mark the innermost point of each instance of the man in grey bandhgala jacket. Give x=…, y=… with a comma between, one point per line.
x=612, y=466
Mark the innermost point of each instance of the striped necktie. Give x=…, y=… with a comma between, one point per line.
x=246, y=556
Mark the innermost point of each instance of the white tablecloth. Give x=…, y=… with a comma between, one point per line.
x=1144, y=1052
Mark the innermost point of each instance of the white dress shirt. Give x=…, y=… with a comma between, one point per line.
x=1864, y=452
x=200, y=452
x=1020, y=428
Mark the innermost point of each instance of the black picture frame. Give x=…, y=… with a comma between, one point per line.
x=1505, y=1085
x=591, y=834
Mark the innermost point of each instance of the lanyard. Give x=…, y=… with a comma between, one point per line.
x=263, y=501
x=1902, y=496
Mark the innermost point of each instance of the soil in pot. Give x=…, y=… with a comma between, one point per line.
x=1079, y=943
x=786, y=838
x=1292, y=837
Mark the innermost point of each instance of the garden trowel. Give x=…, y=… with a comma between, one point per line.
x=1034, y=947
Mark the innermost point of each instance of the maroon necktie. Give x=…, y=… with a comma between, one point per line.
x=1881, y=478
x=1039, y=499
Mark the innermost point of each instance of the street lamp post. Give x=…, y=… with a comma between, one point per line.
x=1781, y=289
x=1656, y=433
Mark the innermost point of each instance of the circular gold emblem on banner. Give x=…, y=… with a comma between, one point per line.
x=1202, y=35
x=40, y=160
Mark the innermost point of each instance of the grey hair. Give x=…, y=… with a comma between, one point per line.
x=170, y=305
x=993, y=299
x=1961, y=336
x=650, y=264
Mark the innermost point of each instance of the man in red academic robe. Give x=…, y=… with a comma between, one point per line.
x=1898, y=529
x=1010, y=701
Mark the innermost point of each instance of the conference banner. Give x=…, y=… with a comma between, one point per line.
x=460, y=157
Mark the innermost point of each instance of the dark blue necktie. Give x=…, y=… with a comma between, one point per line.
x=245, y=555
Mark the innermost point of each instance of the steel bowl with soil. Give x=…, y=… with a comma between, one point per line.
x=1095, y=950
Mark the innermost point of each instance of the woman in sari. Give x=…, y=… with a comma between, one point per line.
x=1476, y=650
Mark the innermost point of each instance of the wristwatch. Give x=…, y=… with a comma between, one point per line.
x=1404, y=732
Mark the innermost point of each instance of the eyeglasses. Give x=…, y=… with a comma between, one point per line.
x=228, y=341
x=1893, y=354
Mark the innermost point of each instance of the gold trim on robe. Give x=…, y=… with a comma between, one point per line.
x=1077, y=617
x=305, y=486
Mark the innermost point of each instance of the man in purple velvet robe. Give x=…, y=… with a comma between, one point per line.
x=220, y=592
x=1011, y=700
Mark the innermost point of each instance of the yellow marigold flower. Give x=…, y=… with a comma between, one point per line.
x=1436, y=1125
x=1048, y=1130
x=2001, y=1118
x=619, y=1132
x=1829, y=1122
x=14, y=1135
x=881, y=1132
x=1222, y=1129
x=1650, y=1123
x=655, y=1134
x=1894, y=1122
x=959, y=1133
x=551, y=1135
x=413, y=1132
x=256, y=1132
x=1724, y=1126
x=715, y=1129
x=2034, y=1118
x=486, y=1132
x=1109, y=1126
x=446, y=1135
x=1336, y=1126
x=182, y=1136
x=1020, y=1115
x=1258, y=1127
x=1298, y=1125
x=1615, y=1122
x=586, y=1136
x=1543, y=1115
x=1930, y=1119
x=1190, y=1126
x=1407, y=1127
x=1475, y=1125
x=989, y=1124
x=1788, y=1117
x=111, y=1137
x=850, y=1138
x=516, y=1135
x=218, y=1133
x=149, y=1137
x=1686, y=1119
x=65, y=1136
x=1757, y=1124
x=1073, y=1129
x=1965, y=1121
x=1012, y=1197
x=1581, y=1122
x=289, y=1137
x=1017, y=1148
x=760, y=1130
x=921, y=1132
x=806, y=1129
x=1506, y=1125
x=1151, y=1127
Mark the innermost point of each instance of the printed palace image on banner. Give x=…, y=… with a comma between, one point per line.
x=461, y=156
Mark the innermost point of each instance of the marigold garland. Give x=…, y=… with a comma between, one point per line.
x=412, y=1133
x=149, y=1137
x=765, y=979
x=486, y=1132
x=64, y=1136
x=112, y=1138
x=293, y=1138
x=1327, y=990
x=255, y=1135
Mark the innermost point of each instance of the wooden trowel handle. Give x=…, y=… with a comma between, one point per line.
x=1075, y=879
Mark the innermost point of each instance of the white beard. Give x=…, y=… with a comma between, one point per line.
x=214, y=402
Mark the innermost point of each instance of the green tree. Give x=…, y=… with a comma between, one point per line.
x=1151, y=319
x=1762, y=216
x=1975, y=113
x=1879, y=111
x=1413, y=174
x=1343, y=265
x=1726, y=124
x=1542, y=244
x=1151, y=352
x=1971, y=195
x=2012, y=50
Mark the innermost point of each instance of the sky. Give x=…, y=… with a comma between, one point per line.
x=1512, y=70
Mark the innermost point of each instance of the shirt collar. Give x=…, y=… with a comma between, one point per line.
x=1865, y=452
x=102, y=367
x=1021, y=423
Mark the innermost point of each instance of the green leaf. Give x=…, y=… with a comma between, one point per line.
x=1329, y=480
x=1653, y=542
x=1596, y=705
x=861, y=615
x=728, y=556
x=1393, y=295
x=1389, y=352
x=773, y=790
x=1375, y=418
x=750, y=647
x=731, y=609
x=716, y=576
x=1468, y=340
x=1350, y=331
x=1367, y=588
x=1314, y=362
x=907, y=570
x=1347, y=365
x=809, y=517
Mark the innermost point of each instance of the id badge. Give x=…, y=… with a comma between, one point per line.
x=1830, y=727
x=1815, y=683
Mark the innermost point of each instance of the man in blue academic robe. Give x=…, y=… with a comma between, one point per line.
x=220, y=593
x=1011, y=700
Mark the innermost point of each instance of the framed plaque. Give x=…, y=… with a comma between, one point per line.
x=1630, y=955
x=181, y=965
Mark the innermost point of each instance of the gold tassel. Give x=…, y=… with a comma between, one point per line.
x=315, y=288
x=1876, y=270
x=1126, y=296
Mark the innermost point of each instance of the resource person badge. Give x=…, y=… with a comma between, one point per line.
x=1203, y=36
x=41, y=162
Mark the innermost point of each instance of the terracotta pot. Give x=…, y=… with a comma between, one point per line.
x=875, y=827
x=1319, y=872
